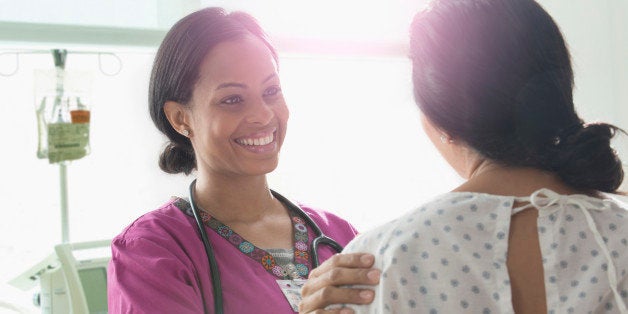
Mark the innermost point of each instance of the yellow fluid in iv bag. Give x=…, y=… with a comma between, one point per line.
x=64, y=130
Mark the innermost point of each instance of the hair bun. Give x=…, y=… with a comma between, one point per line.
x=585, y=159
x=176, y=159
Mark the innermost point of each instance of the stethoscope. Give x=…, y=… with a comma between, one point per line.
x=320, y=239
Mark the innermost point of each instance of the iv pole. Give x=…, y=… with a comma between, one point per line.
x=59, y=56
x=63, y=186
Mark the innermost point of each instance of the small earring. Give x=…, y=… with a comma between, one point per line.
x=185, y=133
x=444, y=139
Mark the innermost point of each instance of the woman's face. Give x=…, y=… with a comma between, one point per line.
x=238, y=116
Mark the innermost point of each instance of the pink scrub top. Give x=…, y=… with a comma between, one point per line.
x=159, y=265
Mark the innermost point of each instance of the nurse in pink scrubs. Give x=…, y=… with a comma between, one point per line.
x=215, y=93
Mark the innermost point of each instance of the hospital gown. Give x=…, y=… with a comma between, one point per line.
x=449, y=256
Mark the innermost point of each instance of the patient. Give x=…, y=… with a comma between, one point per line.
x=534, y=229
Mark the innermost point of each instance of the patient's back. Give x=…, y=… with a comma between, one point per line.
x=525, y=266
x=472, y=252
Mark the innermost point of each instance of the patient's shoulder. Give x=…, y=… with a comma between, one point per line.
x=448, y=215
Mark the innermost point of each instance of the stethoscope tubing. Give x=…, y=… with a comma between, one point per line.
x=320, y=237
x=323, y=239
x=213, y=266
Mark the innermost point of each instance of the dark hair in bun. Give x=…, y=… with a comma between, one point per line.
x=497, y=75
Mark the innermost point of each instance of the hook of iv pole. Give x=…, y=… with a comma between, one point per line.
x=100, y=63
x=17, y=63
x=59, y=57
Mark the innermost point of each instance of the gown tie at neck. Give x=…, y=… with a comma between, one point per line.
x=549, y=202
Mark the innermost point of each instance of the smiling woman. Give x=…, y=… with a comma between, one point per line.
x=236, y=104
x=215, y=93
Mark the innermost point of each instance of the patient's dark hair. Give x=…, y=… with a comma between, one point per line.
x=496, y=75
x=175, y=71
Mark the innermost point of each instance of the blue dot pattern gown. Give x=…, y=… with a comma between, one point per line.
x=449, y=256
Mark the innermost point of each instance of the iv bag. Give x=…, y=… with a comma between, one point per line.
x=63, y=115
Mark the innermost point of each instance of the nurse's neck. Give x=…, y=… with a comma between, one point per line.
x=236, y=199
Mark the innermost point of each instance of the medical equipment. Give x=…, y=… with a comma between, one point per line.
x=62, y=109
x=63, y=121
x=63, y=117
x=321, y=239
x=72, y=280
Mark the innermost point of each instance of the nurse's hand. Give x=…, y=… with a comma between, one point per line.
x=323, y=286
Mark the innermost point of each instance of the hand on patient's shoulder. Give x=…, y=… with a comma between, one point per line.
x=323, y=287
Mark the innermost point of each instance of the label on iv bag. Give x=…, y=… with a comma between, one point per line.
x=67, y=141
